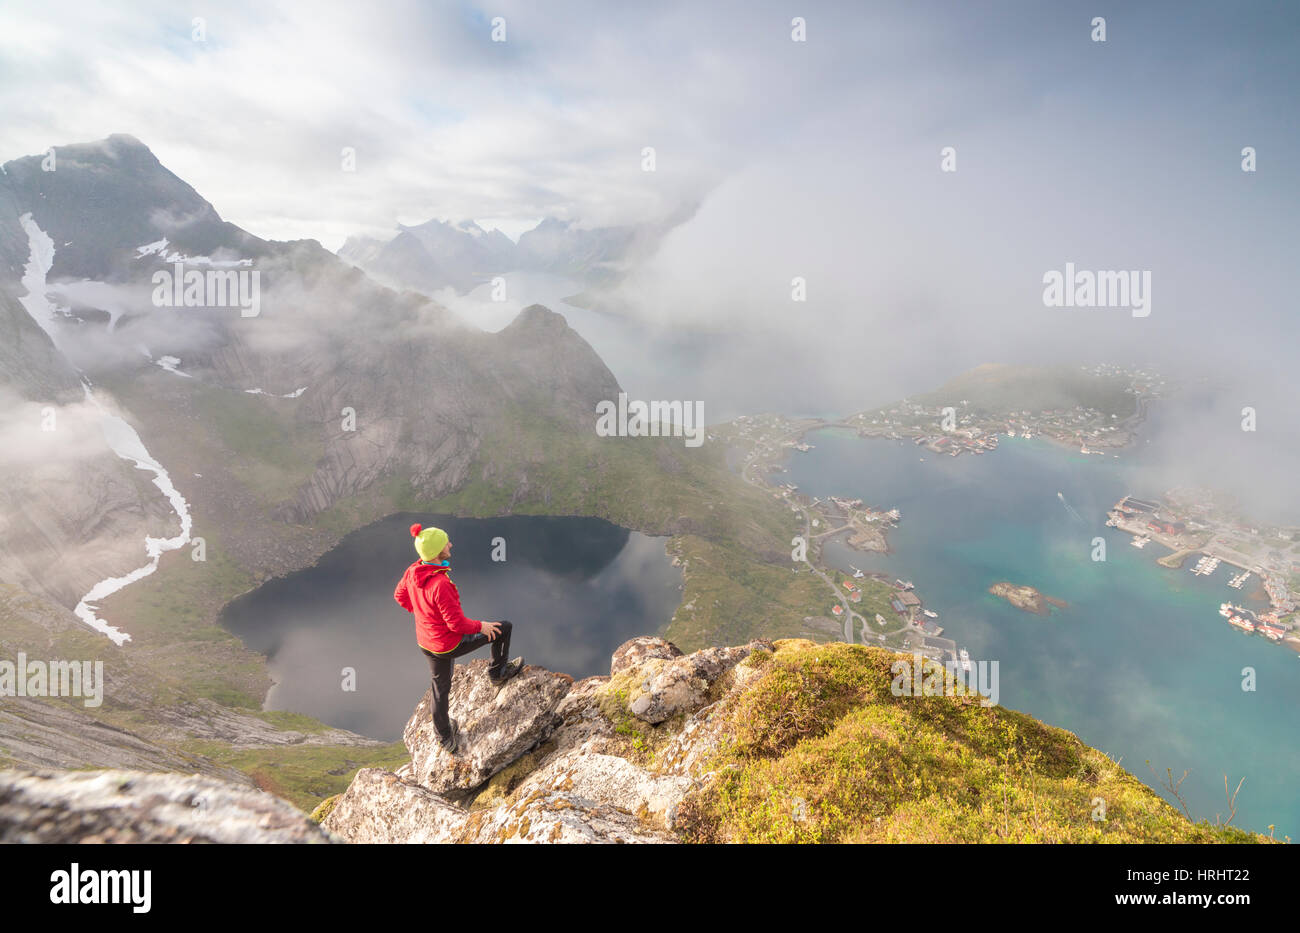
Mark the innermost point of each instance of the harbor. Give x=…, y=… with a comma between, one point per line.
x=1187, y=532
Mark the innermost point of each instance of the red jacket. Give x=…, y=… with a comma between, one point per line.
x=427, y=591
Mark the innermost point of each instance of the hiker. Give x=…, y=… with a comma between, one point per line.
x=441, y=629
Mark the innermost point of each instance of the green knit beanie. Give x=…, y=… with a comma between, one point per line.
x=429, y=542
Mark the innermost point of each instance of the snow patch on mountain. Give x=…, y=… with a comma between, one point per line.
x=126, y=443
x=121, y=438
x=294, y=394
x=159, y=248
x=39, y=262
x=170, y=363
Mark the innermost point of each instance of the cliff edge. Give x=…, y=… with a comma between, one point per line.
x=786, y=741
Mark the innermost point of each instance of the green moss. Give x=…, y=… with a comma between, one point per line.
x=819, y=749
x=502, y=785
x=325, y=808
x=642, y=741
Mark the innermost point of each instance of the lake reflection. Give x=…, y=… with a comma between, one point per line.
x=575, y=589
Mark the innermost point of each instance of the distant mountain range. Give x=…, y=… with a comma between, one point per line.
x=439, y=254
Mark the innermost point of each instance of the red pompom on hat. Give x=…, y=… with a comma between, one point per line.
x=415, y=529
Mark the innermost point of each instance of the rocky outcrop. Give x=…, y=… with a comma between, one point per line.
x=559, y=817
x=796, y=742
x=606, y=759
x=659, y=689
x=636, y=651
x=134, y=807
x=590, y=775
x=496, y=725
x=380, y=806
x=1026, y=598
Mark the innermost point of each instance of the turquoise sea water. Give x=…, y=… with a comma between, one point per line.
x=1140, y=664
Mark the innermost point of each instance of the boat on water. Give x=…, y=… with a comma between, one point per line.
x=1206, y=566
x=931, y=613
x=1239, y=618
x=856, y=572
x=903, y=584
x=1141, y=541
x=964, y=657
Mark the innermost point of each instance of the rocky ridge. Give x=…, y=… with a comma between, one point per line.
x=545, y=759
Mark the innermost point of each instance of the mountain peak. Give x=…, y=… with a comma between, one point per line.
x=538, y=317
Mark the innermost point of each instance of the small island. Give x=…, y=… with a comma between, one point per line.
x=1026, y=598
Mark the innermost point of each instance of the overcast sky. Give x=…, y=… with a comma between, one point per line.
x=446, y=122
x=818, y=159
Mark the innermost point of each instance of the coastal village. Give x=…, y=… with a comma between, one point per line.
x=961, y=425
x=1194, y=523
x=868, y=608
x=871, y=608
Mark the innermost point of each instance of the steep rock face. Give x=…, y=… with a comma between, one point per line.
x=133, y=807
x=563, y=767
x=112, y=195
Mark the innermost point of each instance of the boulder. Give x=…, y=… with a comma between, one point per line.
x=496, y=726
x=379, y=806
x=141, y=807
x=587, y=775
x=636, y=651
x=660, y=688
x=555, y=816
x=689, y=750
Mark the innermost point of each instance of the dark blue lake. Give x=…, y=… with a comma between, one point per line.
x=575, y=589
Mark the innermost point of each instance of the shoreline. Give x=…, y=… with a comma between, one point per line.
x=1278, y=598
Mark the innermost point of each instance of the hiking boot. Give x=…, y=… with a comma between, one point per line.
x=451, y=744
x=510, y=670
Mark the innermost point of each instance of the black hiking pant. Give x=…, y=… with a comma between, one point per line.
x=442, y=663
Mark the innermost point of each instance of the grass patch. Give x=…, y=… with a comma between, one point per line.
x=731, y=597
x=304, y=775
x=819, y=749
